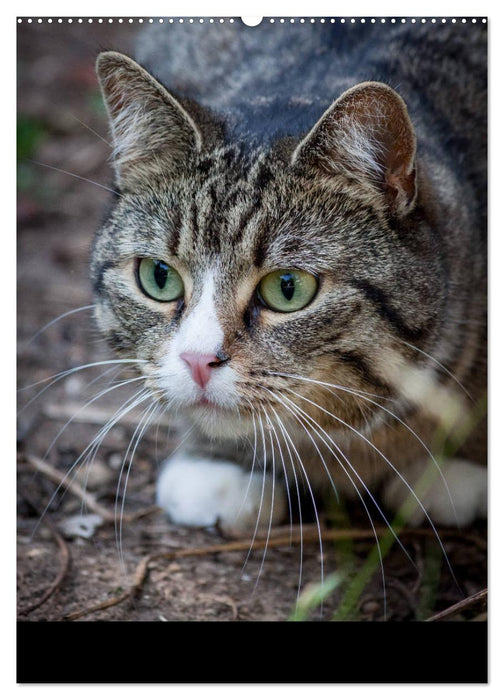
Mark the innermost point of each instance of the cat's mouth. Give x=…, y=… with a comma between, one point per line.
x=205, y=404
x=208, y=402
x=205, y=401
x=218, y=420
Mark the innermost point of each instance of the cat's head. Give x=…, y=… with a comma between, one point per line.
x=272, y=282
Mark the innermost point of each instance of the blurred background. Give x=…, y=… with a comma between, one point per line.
x=62, y=176
x=62, y=125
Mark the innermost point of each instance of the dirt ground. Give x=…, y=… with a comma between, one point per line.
x=66, y=573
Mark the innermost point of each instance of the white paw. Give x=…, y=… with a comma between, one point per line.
x=204, y=492
x=457, y=503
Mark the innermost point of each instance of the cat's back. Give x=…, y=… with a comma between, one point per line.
x=275, y=79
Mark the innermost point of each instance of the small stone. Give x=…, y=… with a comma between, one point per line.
x=115, y=460
x=81, y=526
x=370, y=607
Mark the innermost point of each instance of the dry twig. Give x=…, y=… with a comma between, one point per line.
x=469, y=602
x=64, y=480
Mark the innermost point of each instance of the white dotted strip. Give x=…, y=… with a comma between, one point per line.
x=272, y=20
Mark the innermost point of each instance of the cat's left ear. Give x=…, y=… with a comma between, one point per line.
x=366, y=134
x=152, y=133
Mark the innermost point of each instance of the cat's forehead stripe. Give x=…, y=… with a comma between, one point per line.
x=223, y=203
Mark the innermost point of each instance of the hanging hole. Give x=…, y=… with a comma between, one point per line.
x=251, y=21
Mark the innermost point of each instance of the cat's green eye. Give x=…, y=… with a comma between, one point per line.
x=159, y=281
x=287, y=290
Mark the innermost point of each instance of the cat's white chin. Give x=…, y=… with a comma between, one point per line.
x=217, y=422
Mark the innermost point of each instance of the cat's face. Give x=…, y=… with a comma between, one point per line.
x=257, y=283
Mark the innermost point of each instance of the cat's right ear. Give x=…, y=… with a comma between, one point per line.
x=367, y=135
x=152, y=133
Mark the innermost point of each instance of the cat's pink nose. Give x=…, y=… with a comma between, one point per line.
x=201, y=366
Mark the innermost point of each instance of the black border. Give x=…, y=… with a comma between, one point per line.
x=252, y=652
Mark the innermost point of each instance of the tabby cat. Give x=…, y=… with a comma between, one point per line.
x=296, y=256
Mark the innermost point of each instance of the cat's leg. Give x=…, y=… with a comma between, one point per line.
x=456, y=501
x=202, y=492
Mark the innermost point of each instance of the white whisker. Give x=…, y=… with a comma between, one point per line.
x=67, y=372
x=265, y=457
x=272, y=501
x=439, y=364
x=51, y=323
x=284, y=471
x=283, y=430
x=249, y=482
x=358, y=392
x=307, y=480
x=138, y=433
x=91, y=130
x=78, y=177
